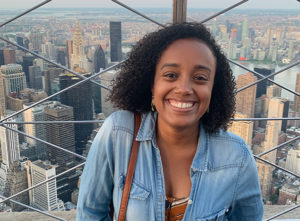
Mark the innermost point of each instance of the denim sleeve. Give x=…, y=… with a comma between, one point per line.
x=95, y=192
x=248, y=204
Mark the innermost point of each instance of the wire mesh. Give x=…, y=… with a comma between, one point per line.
x=3, y=122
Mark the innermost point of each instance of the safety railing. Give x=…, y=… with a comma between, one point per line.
x=4, y=123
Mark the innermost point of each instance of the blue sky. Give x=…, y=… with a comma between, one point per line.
x=263, y=4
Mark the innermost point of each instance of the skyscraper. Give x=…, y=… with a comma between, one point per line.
x=9, y=56
x=297, y=98
x=272, y=92
x=115, y=41
x=20, y=41
x=80, y=98
x=16, y=181
x=2, y=97
x=61, y=135
x=35, y=77
x=70, y=52
x=43, y=197
x=36, y=40
x=244, y=129
x=245, y=100
x=49, y=76
x=99, y=62
x=27, y=61
x=35, y=113
x=99, y=59
x=273, y=128
x=13, y=77
x=293, y=160
x=61, y=56
x=245, y=29
x=48, y=50
x=262, y=86
x=78, y=56
x=273, y=49
x=1, y=57
x=9, y=141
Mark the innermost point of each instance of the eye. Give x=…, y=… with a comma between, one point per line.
x=170, y=75
x=200, y=78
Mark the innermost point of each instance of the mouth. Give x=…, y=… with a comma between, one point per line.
x=183, y=105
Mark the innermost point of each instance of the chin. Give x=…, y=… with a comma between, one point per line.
x=179, y=124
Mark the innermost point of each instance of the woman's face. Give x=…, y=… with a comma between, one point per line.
x=183, y=83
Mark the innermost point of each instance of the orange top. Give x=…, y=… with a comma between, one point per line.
x=175, y=208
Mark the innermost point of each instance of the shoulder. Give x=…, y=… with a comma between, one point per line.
x=229, y=148
x=121, y=120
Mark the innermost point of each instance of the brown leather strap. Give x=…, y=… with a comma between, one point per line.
x=131, y=168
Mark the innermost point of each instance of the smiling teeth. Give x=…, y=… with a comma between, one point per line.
x=181, y=104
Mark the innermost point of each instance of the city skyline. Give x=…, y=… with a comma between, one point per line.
x=253, y=4
x=265, y=43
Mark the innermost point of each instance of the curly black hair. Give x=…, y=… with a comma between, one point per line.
x=132, y=87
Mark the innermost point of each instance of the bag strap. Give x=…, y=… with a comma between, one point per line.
x=131, y=168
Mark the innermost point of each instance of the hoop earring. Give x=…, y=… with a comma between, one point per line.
x=152, y=105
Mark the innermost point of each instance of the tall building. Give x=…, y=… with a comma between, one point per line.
x=272, y=92
x=115, y=41
x=2, y=97
x=49, y=76
x=273, y=128
x=106, y=106
x=245, y=29
x=78, y=58
x=61, y=55
x=273, y=50
x=9, y=56
x=244, y=129
x=35, y=77
x=16, y=181
x=297, y=98
x=245, y=100
x=61, y=135
x=35, y=113
x=99, y=63
x=9, y=141
x=43, y=197
x=36, y=40
x=262, y=86
x=99, y=59
x=293, y=160
x=20, y=41
x=48, y=50
x=2, y=57
x=44, y=65
x=70, y=52
x=291, y=50
x=27, y=61
x=13, y=77
x=80, y=98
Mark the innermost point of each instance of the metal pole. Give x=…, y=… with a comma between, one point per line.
x=179, y=11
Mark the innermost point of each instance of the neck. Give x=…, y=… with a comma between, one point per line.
x=176, y=138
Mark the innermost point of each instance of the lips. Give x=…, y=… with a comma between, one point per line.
x=181, y=104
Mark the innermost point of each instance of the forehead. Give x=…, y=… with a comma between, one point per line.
x=188, y=50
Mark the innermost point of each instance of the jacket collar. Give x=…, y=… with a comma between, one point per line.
x=147, y=132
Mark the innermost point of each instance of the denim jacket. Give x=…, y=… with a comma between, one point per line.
x=223, y=174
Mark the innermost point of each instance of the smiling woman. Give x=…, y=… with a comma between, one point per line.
x=188, y=166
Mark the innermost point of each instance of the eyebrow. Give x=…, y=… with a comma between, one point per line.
x=199, y=66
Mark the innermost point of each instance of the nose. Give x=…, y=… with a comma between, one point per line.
x=184, y=86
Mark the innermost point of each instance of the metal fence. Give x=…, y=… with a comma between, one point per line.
x=180, y=6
